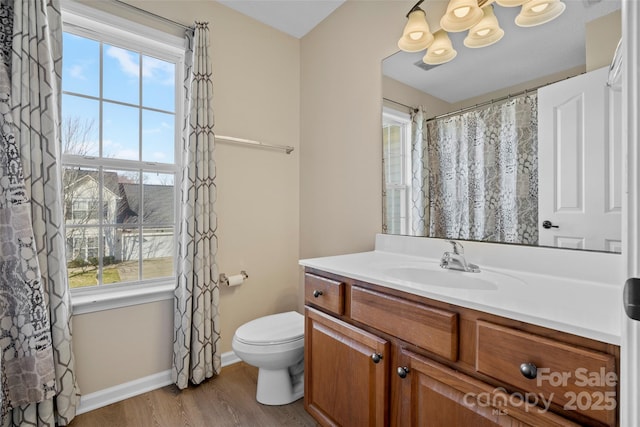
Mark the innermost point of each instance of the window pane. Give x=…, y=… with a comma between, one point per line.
x=395, y=210
x=81, y=65
x=81, y=195
x=122, y=243
x=80, y=126
x=120, y=220
x=121, y=197
x=157, y=252
x=158, y=84
x=82, y=256
x=158, y=137
x=120, y=132
x=121, y=78
x=158, y=194
x=392, y=146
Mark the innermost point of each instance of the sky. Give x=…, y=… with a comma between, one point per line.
x=132, y=94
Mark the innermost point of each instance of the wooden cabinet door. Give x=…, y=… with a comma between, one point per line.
x=431, y=394
x=346, y=372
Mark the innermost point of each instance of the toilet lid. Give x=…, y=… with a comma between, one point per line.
x=274, y=329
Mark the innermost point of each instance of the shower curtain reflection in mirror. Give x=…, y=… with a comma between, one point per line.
x=480, y=169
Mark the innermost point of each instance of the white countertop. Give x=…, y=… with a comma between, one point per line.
x=576, y=306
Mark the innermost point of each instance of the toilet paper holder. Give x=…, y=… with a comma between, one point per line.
x=224, y=279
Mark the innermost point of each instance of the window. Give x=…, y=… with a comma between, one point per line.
x=396, y=143
x=120, y=130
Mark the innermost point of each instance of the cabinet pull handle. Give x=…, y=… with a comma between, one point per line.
x=317, y=293
x=403, y=371
x=376, y=357
x=529, y=370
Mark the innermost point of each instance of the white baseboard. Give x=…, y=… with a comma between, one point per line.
x=133, y=388
x=229, y=358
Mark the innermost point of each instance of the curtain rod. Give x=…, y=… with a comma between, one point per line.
x=286, y=148
x=482, y=104
x=153, y=15
x=502, y=98
x=414, y=109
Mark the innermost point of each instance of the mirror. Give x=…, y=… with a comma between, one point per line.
x=518, y=72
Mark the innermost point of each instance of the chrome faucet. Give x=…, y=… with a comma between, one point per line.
x=456, y=261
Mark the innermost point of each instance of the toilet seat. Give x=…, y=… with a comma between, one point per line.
x=274, y=329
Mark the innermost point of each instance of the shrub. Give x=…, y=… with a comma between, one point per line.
x=77, y=263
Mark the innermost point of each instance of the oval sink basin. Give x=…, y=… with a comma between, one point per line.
x=433, y=275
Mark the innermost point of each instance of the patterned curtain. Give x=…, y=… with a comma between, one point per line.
x=37, y=364
x=419, y=175
x=483, y=173
x=196, y=356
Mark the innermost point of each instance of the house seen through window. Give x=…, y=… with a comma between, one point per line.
x=119, y=120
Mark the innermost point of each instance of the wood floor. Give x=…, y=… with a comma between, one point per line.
x=227, y=400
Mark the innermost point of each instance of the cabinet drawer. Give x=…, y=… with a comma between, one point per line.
x=575, y=378
x=430, y=328
x=324, y=293
x=437, y=395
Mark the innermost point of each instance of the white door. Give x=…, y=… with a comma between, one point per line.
x=579, y=163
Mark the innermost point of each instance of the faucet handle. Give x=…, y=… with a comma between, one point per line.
x=458, y=249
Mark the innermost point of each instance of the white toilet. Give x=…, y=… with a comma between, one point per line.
x=275, y=345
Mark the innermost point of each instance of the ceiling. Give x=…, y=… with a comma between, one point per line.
x=532, y=52
x=294, y=17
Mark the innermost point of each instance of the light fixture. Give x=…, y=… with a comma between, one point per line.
x=478, y=17
x=538, y=12
x=486, y=32
x=441, y=50
x=416, y=35
x=461, y=15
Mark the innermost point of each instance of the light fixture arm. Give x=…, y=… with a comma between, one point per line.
x=415, y=7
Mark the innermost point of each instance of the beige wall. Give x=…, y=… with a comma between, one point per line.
x=341, y=153
x=256, y=96
x=602, y=36
x=404, y=94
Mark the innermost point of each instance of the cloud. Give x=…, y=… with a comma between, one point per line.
x=115, y=150
x=126, y=154
x=126, y=60
x=77, y=72
x=164, y=127
x=153, y=69
x=160, y=71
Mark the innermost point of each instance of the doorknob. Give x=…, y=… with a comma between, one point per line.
x=547, y=224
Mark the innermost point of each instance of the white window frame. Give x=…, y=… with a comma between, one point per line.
x=92, y=23
x=390, y=115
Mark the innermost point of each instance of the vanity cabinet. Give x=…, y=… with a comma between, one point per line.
x=382, y=357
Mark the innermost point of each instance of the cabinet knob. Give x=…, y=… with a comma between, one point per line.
x=403, y=371
x=376, y=357
x=529, y=370
x=317, y=293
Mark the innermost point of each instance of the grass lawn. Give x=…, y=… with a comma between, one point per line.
x=79, y=279
x=122, y=272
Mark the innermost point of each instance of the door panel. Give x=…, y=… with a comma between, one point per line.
x=579, y=161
